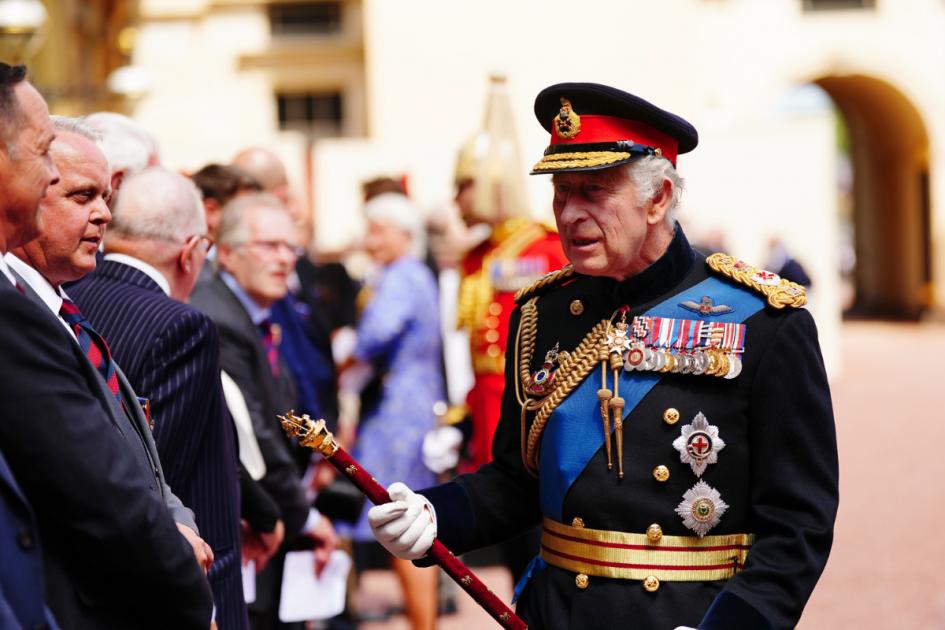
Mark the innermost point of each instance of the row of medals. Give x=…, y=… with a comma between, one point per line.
x=711, y=361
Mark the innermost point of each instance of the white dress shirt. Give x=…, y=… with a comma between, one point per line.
x=51, y=296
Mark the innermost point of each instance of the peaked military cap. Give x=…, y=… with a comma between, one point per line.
x=595, y=126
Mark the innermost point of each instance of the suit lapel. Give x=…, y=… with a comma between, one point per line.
x=138, y=421
x=91, y=374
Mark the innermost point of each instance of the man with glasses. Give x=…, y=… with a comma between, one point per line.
x=154, y=250
x=256, y=252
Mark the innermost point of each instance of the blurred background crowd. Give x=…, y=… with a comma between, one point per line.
x=365, y=219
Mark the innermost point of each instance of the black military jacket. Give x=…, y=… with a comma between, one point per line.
x=777, y=472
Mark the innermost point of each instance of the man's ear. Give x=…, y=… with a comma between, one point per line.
x=185, y=259
x=661, y=203
x=117, y=178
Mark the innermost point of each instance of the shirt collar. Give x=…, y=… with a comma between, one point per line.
x=6, y=271
x=50, y=295
x=257, y=313
x=144, y=268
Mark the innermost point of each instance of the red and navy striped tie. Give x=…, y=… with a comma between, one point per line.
x=270, y=341
x=92, y=344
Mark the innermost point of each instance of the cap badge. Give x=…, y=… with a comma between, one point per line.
x=699, y=444
x=702, y=508
x=705, y=307
x=567, y=122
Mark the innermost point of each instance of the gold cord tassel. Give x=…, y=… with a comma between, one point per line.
x=616, y=405
x=604, y=395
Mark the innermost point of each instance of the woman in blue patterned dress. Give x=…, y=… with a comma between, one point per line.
x=399, y=337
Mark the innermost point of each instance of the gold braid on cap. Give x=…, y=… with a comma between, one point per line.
x=780, y=292
x=584, y=159
x=549, y=278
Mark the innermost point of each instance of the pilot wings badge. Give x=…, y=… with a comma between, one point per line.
x=705, y=307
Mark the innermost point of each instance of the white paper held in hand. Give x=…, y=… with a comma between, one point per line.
x=249, y=581
x=306, y=597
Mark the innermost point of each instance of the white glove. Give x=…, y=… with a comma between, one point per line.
x=441, y=448
x=684, y=628
x=406, y=526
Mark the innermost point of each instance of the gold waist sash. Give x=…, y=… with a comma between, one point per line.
x=634, y=557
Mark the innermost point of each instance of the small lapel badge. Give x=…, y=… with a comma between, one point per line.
x=702, y=508
x=699, y=444
x=146, y=409
x=705, y=307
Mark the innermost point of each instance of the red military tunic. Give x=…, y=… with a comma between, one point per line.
x=518, y=253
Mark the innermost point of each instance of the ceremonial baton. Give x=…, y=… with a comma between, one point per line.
x=314, y=435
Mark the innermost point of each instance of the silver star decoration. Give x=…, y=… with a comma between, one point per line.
x=702, y=508
x=699, y=444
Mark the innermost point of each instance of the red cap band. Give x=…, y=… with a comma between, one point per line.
x=595, y=128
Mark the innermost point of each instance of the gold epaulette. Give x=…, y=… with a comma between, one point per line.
x=780, y=292
x=549, y=278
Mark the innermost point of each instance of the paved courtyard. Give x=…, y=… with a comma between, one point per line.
x=887, y=569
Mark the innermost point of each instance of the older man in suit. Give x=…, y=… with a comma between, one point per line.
x=256, y=252
x=154, y=250
x=112, y=554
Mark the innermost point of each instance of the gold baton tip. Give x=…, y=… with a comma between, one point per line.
x=311, y=433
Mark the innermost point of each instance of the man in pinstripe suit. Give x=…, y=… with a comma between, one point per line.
x=155, y=248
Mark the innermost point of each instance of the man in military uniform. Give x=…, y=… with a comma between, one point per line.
x=666, y=416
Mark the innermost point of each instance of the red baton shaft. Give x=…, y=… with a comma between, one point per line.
x=313, y=434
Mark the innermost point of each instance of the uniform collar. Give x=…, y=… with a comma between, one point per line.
x=666, y=272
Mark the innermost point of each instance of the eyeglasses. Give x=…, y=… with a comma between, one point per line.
x=205, y=240
x=273, y=247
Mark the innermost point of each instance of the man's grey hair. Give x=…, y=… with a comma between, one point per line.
x=647, y=175
x=233, y=230
x=126, y=144
x=158, y=204
x=76, y=126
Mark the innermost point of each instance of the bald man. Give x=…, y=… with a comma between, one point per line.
x=266, y=167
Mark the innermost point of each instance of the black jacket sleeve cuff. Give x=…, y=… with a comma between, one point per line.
x=455, y=522
x=731, y=611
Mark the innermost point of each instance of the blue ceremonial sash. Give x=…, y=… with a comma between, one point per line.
x=575, y=432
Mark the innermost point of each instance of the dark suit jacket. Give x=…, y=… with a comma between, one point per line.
x=112, y=554
x=312, y=366
x=170, y=353
x=22, y=586
x=243, y=358
x=129, y=417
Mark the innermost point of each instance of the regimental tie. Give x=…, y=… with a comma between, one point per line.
x=92, y=344
x=270, y=339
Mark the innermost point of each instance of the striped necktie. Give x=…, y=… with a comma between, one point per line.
x=91, y=343
x=270, y=339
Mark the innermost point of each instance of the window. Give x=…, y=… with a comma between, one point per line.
x=318, y=113
x=305, y=18
x=833, y=5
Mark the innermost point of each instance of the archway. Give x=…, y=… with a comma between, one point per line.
x=889, y=151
